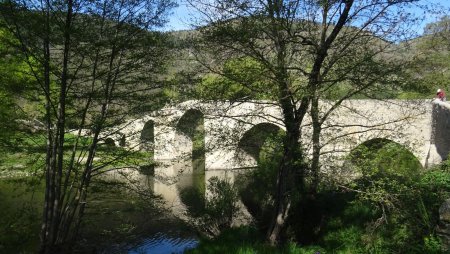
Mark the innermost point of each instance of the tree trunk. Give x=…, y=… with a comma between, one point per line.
x=292, y=121
x=317, y=128
x=51, y=241
x=285, y=183
x=48, y=197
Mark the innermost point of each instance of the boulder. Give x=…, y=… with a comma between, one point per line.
x=444, y=211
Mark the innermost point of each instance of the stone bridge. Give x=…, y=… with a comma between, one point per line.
x=234, y=132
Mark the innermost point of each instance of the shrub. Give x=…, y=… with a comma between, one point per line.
x=215, y=211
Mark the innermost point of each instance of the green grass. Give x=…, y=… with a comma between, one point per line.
x=247, y=240
x=24, y=156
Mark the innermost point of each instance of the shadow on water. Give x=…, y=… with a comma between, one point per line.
x=191, y=188
x=133, y=223
x=20, y=215
x=117, y=221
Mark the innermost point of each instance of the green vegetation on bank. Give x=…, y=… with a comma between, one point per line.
x=358, y=226
x=391, y=207
x=247, y=240
x=26, y=156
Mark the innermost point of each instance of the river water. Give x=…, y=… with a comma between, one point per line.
x=122, y=214
x=118, y=220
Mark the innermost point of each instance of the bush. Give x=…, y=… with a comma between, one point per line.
x=257, y=187
x=221, y=204
x=405, y=198
x=391, y=208
x=215, y=211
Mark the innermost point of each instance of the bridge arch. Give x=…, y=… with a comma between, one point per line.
x=109, y=141
x=188, y=123
x=383, y=154
x=252, y=141
x=147, y=136
x=190, y=138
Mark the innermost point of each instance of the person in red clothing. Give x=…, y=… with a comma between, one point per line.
x=440, y=94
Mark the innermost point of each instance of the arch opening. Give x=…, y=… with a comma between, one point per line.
x=382, y=157
x=253, y=140
x=147, y=137
x=109, y=142
x=262, y=146
x=191, y=126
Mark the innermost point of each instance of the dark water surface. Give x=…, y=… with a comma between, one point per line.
x=117, y=221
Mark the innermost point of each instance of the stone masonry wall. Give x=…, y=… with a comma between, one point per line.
x=440, y=135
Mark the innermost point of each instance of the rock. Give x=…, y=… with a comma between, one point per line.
x=443, y=229
x=444, y=211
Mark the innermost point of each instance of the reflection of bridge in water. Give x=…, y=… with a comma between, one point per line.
x=230, y=135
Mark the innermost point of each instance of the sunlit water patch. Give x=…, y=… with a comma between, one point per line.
x=162, y=244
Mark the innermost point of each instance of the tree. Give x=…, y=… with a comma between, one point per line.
x=229, y=86
x=15, y=85
x=309, y=51
x=433, y=55
x=91, y=61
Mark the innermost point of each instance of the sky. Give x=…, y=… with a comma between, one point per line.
x=182, y=15
x=180, y=18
